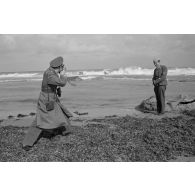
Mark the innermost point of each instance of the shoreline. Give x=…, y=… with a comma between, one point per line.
x=24, y=120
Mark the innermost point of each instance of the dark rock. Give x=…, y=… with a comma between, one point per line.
x=111, y=116
x=32, y=114
x=10, y=116
x=79, y=113
x=21, y=115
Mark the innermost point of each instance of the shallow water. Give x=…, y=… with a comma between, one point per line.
x=121, y=92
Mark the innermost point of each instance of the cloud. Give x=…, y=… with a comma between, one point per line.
x=8, y=42
x=74, y=46
x=92, y=50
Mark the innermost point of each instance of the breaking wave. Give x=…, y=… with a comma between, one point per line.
x=20, y=75
x=181, y=71
x=121, y=73
x=130, y=71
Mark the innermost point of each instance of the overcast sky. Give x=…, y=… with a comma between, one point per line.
x=34, y=52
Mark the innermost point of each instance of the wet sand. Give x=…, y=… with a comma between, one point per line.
x=106, y=135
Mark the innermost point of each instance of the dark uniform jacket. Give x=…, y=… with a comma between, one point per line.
x=160, y=76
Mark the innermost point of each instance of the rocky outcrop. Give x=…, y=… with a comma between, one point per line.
x=181, y=103
x=147, y=105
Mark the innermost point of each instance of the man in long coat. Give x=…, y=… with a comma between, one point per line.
x=160, y=82
x=57, y=115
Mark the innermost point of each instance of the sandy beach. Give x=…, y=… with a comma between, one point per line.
x=121, y=137
x=112, y=97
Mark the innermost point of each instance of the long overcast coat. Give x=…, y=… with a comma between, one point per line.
x=60, y=115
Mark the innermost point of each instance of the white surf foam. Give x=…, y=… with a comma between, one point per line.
x=20, y=75
x=128, y=71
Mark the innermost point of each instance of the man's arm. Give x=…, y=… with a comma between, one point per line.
x=153, y=78
x=54, y=79
x=163, y=76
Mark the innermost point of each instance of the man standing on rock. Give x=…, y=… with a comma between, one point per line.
x=160, y=82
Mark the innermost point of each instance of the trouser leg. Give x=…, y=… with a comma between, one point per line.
x=156, y=90
x=66, y=129
x=32, y=135
x=162, y=98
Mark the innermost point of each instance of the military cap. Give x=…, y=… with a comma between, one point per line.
x=56, y=62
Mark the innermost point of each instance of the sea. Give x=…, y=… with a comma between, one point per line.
x=116, y=90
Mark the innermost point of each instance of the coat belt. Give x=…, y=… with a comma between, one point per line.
x=48, y=90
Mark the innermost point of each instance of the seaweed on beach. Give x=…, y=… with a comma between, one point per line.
x=109, y=139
